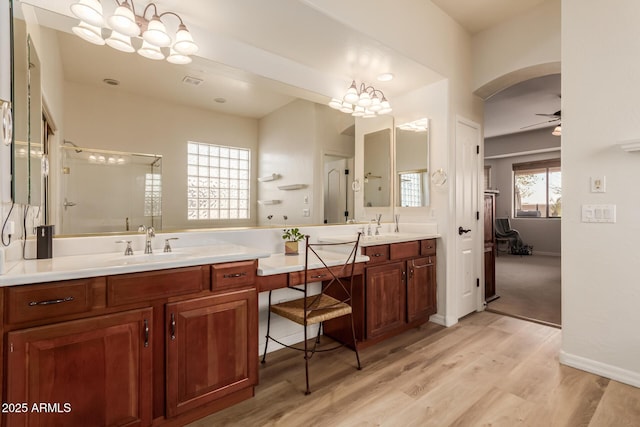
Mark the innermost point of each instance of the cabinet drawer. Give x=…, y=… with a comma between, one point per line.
x=41, y=302
x=376, y=254
x=405, y=250
x=428, y=247
x=322, y=274
x=150, y=285
x=233, y=275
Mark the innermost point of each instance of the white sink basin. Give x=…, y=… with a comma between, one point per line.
x=148, y=258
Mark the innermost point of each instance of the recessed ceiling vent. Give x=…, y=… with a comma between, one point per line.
x=193, y=81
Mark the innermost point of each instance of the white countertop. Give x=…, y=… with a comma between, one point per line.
x=384, y=238
x=80, y=266
x=281, y=263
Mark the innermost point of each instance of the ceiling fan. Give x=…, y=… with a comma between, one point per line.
x=554, y=117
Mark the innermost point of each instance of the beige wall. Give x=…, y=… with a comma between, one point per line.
x=600, y=92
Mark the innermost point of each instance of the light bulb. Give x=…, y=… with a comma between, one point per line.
x=89, y=11
x=184, y=42
x=156, y=33
x=150, y=51
x=124, y=21
x=89, y=33
x=178, y=58
x=120, y=42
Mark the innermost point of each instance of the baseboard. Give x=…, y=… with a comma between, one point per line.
x=609, y=371
x=439, y=319
x=546, y=253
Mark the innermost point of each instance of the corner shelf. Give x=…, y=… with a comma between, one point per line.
x=630, y=146
x=271, y=177
x=291, y=187
x=268, y=202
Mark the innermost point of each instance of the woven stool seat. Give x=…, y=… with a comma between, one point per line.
x=319, y=308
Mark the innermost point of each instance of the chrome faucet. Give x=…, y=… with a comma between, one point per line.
x=377, y=220
x=149, y=233
x=397, y=220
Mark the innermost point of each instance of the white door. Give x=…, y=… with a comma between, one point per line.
x=337, y=198
x=467, y=226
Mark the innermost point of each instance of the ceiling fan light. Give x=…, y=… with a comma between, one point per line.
x=557, y=131
x=89, y=33
x=178, y=58
x=89, y=11
x=156, y=33
x=184, y=42
x=124, y=21
x=150, y=51
x=120, y=42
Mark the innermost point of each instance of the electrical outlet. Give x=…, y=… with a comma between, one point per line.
x=598, y=184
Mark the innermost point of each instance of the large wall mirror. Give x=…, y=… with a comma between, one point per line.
x=102, y=99
x=412, y=164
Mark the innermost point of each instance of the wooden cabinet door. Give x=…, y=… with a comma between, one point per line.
x=421, y=288
x=212, y=348
x=89, y=372
x=386, y=298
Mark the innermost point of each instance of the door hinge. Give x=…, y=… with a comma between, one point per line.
x=477, y=149
x=477, y=282
x=477, y=215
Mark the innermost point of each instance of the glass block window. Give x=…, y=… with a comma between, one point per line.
x=152, y=194
x=410, y=189
x=217, y=182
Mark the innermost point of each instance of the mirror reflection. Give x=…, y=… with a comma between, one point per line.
x=89, y=177
x=28, y=147
x=412, y=164
x=377, y=168
x=103, y=99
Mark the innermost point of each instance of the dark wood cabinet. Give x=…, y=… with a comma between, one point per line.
x=399, y=293
x=489, y=247
x=421, y=290
x=212, y=348
x=95, y=371
x=385, y=298
x=137, y=349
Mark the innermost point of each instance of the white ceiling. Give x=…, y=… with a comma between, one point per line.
x=260, y=55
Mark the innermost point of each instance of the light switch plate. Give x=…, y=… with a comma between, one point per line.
x=599, y=213
x=598, y=184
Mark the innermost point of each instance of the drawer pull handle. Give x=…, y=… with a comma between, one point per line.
x=146, y=333
x=318, y=276
x=377, y=255
x=173, y=326
x=51, y=301
x=234, y=275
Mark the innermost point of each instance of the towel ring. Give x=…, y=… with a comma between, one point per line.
x=439, y=178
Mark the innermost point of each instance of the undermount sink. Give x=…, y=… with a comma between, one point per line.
x=149, y=258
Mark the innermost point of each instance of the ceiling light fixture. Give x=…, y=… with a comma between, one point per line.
x=363, y=101
x=557, y=131
x=127, y=31
x=420, y=125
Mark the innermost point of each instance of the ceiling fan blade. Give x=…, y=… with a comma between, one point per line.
x=541, y=123
x=557, y=114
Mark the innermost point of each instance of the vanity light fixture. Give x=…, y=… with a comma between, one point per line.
x=420, y=125
x=127, y=31
x=362, y=101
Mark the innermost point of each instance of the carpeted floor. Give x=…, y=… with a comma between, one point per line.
x=528, y=286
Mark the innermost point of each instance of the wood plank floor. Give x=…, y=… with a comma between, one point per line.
x=488, y=370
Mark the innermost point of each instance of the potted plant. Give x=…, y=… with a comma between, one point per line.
x=291, y=237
